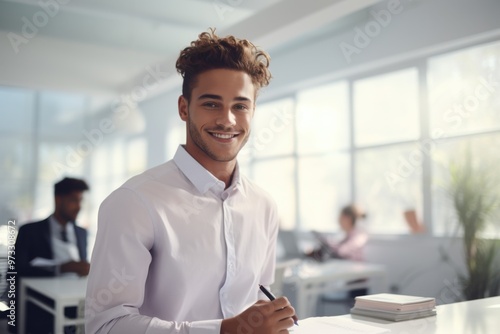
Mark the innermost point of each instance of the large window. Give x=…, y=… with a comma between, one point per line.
x=268, y=156
x=387, y=186
x=323, y=189
x=45, y=136
x=482, y=151
x=464, y=106
x=323, y=142
x=323, y=119
x=16, y=152
x=386, y=108
x=383, y=141
x=273, y=130
x=464, y=91
x=274, y=176
x=386, y=112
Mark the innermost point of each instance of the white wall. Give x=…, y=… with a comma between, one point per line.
x=424, y=265
x=420, y=265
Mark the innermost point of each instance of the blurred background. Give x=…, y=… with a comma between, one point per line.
x=370, y=103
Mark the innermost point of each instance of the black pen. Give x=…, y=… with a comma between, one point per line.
x=271, y=298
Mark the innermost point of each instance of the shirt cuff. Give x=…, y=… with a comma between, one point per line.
x=205, y=327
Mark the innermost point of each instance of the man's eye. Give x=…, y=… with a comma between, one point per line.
x=210, y=105
x=241, y=107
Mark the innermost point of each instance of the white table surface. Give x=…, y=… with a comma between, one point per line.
x=59, y=288
x=472, y=317
x=65, y=291
x=342, y=269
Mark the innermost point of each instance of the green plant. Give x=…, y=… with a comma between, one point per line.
x=476, y=200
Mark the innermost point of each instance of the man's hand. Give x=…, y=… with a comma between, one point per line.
x=263, y=317
x=81, y=267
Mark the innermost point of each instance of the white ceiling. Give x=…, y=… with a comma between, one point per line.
x=107, y=46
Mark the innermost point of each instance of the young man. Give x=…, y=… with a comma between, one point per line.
x=183, y=247
x=56, y=238
x=55, y=246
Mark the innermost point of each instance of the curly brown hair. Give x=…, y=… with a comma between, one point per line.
x=210, y=52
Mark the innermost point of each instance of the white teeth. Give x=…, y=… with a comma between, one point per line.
x=222, y=136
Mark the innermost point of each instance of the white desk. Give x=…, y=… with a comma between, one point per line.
x=473, y=317
x=310, y=279
x=63, y=291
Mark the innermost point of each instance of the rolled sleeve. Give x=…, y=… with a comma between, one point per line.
x=205, y=327
x=135, y=324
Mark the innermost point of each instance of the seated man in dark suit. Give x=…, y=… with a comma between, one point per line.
x=55, y=246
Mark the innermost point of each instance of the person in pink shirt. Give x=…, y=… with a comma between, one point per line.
x=352, y=245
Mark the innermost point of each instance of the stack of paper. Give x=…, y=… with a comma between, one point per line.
x=394, y=307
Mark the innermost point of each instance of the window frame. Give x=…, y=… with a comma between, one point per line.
x=417, y=60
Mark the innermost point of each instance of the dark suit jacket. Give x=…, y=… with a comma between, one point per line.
x=34, y=240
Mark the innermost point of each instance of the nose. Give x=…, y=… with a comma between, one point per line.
x=226, y=118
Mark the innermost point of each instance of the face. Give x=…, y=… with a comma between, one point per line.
x=345, y=223
x=219, y=114
x=68, y=206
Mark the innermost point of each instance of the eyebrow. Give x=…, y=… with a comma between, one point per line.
x=218, y=97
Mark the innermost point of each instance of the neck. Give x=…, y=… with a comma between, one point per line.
x=223, y=171
x=60, y=219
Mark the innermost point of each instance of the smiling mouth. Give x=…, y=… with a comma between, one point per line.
x=223, y=135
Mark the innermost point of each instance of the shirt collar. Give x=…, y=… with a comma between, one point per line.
x=201, y=178
x=54, y=223
x=55, y=226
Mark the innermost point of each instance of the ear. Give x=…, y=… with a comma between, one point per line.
x=182, y=106
x=58, y=201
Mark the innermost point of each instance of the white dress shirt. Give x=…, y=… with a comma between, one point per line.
x=63, y=251
x=176, y=253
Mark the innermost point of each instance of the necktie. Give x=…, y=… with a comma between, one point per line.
x=64, y=235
